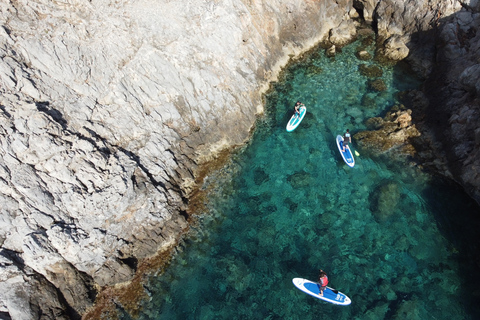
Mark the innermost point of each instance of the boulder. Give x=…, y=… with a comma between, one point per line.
x=394, y=131
x=343, y=34
x=364, y=55
x=370, y=71
x=394, y=48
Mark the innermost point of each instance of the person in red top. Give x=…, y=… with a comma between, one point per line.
x=322, y=281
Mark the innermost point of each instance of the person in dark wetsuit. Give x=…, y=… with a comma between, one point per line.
x=297, y=108
x=322, y=281
x=346, y=140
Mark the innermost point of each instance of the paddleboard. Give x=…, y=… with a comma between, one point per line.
x=347, y=155
x=329, y=294
x=296, y=119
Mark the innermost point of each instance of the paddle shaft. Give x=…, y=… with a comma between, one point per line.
x=333, y=290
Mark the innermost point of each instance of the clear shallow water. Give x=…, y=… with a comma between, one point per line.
x=395, y=240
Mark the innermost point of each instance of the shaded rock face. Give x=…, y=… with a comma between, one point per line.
x=454, y=107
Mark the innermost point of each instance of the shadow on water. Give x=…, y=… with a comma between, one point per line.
x=458, y=220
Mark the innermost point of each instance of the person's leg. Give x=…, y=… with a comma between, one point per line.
x=321, y=291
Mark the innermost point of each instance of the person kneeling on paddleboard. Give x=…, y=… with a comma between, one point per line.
x=346, y=139
x=322, y=281
x=297, y=108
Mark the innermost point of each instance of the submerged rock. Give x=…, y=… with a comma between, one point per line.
x=364, y=55
x=384, y=200
x=260, y=176
x=377, y=85
x=299, y=179
x=371, y=71
x=331, y=51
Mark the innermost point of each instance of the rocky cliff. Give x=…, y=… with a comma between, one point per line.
x=108, y=109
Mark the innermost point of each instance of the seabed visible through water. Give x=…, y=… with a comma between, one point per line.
x=396, y=240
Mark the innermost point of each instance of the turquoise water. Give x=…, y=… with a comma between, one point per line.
x=398, y=242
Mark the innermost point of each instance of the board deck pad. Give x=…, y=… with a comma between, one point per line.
x=347, y=155
x=329, y=294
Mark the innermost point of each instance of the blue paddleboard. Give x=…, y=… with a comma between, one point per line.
x=296, y=119
x=347, y=155
x=329, y=294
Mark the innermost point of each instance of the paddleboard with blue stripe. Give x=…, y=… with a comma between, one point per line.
x=329, y=294
x=347, y=155
x=296, y=119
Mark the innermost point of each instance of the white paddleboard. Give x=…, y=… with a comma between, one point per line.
x=296, y=119
x=329, y=294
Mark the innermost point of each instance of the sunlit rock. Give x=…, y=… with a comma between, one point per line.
x=343, y=34
x=393, y=131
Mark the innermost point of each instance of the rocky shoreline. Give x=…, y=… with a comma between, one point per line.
x=111, y=112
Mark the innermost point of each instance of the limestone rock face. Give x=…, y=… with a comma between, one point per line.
x=384, y=200
x=106, y=111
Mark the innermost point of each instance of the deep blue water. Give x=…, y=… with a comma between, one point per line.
x=399, y=242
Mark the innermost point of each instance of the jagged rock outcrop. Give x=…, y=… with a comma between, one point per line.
x=392, y=132
x=454, y=111
x=408, y=27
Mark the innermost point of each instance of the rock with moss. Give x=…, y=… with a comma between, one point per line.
x=377, y=85
x=363, y=55
x=370, y=71
x=393, y=131
x=384, y=200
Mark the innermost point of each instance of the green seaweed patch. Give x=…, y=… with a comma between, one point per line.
x=313, y=70
x=292, y=206
x=369, y=101
x=299, y=179
x=363, y=55
x=377, y=85
x=371, y=71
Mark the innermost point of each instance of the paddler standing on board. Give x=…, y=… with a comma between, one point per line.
x=346, y=139
x=322, y=281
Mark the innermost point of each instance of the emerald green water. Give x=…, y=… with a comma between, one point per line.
x=398, y=242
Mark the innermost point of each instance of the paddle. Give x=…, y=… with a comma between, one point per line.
x=333, y=290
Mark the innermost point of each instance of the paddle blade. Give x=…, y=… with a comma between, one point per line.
x=356, y=153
